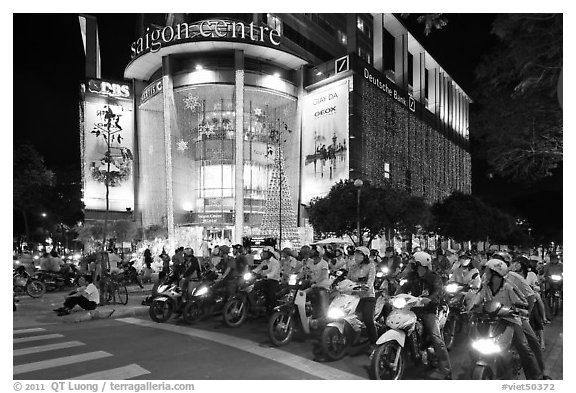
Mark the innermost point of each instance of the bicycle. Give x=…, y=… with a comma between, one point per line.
x=115, y=291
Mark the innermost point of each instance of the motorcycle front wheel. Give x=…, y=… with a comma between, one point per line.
x=555, y=304
x=160, y=310
x=235, y=312
x=192, y=312
x=280, y=328
x=334, y=343
x=482, y=372
x=35, y=288
x=382, y=361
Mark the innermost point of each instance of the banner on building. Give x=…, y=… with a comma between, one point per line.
x=325, y=139
x=107, y=144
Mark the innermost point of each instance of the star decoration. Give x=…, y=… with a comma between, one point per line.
x=258, y=112
x=191, y=102
x=182, y=145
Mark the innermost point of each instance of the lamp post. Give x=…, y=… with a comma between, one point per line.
x=358, y=184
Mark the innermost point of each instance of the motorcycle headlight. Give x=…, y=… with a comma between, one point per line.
x=335, y=313
x=247, y=276
x=201, y=291
x=399, y=302
x=379, y=274
x=451, y=288
x=556, y=277
x=293, y=279
x=486, y=346
x=162, y=288
x=384, y=269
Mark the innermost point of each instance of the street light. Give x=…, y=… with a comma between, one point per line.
x=358, y=184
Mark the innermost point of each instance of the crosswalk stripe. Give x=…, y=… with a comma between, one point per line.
x=44, y=348
x=274, y=354
x=33, y=330
x=120, y=373
x=36, y=338
x=57, y=362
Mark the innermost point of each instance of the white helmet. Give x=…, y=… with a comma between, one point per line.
x=497, y=266
x=423, y=258
x=363, y=250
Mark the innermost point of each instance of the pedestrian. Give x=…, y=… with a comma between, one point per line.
x=86, y=296
x=147, y=270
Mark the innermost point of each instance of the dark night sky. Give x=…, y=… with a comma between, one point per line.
x=49, y=67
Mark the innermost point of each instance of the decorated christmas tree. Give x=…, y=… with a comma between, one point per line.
x=279, y=220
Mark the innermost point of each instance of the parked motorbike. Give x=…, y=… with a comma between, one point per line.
x=491, y=343
x=247, y=301
x=345, y=332
x=555, y=293
x=22, y=283
x=130, y=275
x=59, y=280
x=404, y=342
x=206, y=298
x=168, y=300
x=454, y=294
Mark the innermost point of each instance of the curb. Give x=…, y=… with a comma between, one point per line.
x=107, y=314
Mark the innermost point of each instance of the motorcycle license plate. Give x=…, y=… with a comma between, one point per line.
x=556, y=294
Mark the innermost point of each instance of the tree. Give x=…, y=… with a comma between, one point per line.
x=380, y=209
x=519, y=125
x=31, y=179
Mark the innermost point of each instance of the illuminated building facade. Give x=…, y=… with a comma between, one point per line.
x=350, y=95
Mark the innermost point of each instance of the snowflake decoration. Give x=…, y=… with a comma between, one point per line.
x=182, y=146
x=192, y=102
x=258, y=112
x=205, y=129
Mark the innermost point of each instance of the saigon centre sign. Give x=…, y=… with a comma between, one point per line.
x=154, y=40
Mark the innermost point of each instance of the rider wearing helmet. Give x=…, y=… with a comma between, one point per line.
x=523, y=289
x=425, y=282
x=496, y=287
x=269, y=267
x=364, y=271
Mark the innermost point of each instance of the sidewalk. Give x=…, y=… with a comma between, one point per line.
x=40, y=311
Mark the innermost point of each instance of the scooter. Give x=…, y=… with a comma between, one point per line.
x=454, y=294
x=404, y=341
x=295, y=315
x=491, y=340
x=555, y=293
x=130, y=275
x=344, y=332
x=22, y=282
x=58, y=280
x=246, y=301
x=206, y=298
x=169, y=299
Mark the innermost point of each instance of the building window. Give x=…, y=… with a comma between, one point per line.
x=364, y=27
x=410, y=69
x=386, y=170
x=342, y=38
x=389, y=43
x=365, y=55
x=274, y=22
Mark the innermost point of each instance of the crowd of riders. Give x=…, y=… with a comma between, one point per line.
x=517, y=280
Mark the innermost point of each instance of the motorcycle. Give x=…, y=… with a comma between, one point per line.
x=344, y=333
x=130, y=275
x=555, y=293
x=454, y=297
x=246, y=301
x=206, y=298
x=168, y=300
x=59, y=280
x=293, y=316
x=491, y=340
x=23, y=282
x=404, y=341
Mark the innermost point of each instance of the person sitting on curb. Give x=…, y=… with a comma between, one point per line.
x=86, y=296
